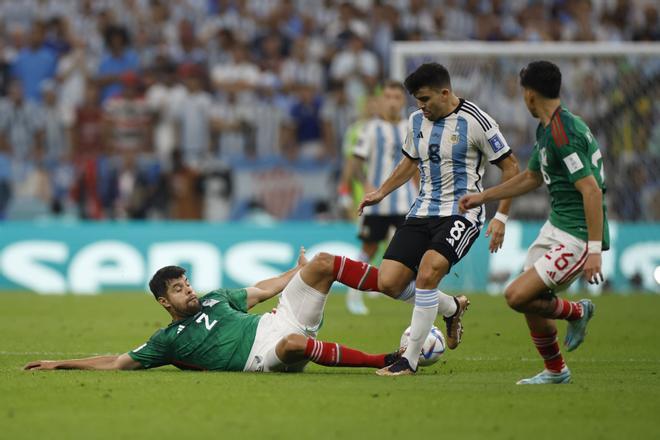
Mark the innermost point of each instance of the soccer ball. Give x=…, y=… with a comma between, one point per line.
x=432, y=349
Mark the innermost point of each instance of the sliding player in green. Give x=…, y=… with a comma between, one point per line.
x=216, y=332
x=566, y=157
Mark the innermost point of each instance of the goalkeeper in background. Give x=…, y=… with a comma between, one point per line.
x=567, y=158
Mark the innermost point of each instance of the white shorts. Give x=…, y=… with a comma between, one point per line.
x=557, y=256
x=300, y=311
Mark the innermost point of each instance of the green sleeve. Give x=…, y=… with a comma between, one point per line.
x=573, y=157
x=153, y=353
x=534, y=163
x=238, y=299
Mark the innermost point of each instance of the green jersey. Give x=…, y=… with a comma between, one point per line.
x=218, y=337
x=564, y=153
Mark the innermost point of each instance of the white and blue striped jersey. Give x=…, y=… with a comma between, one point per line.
x=450, y=153
x=380, y=145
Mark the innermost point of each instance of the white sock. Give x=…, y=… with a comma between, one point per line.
x=408, y=294
x=424, y=313
x=446, y=304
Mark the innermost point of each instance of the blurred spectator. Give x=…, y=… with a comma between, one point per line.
x=650, y=28
x=300, y=69
x=87, y=132
x=193, y=117
x=74, y=70
x=303, y=136
x=163, y=97
x=267, y=117
x=238, y=75
x=21, y=124
x=184, y=187
x=127, y=120
x=119, y=58
x=337, y=114
x=357, y=67
x=5, y=70
x=187, y=49
x=34, y=63
x=56, y=140
x=230, y=122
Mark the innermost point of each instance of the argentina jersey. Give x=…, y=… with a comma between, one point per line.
x=380, y=146
x=451, y=164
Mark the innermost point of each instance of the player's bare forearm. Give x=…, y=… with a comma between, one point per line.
x=356, y=169
x=592, y=197
x=111, y=362
x=510, y=169
x=520, y=184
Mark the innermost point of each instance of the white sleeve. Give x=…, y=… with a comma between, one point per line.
x=409, y=143
x=491, y=142
x=364, y=144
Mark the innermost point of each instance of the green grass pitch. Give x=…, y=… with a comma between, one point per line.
x=469, y=394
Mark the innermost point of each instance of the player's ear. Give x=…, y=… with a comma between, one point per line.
x=163, y=301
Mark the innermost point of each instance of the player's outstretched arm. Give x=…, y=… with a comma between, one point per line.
x=522, y=183
x=266, y=289
x=497, y=227
x=113, y=362
x=592, y=198
x=404, y=170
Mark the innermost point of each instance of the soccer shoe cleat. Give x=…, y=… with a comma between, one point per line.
x=391, y=358
x=398, y=368
x=355, y=303
x=454, y=325
x=547, y=377
x=577, y=329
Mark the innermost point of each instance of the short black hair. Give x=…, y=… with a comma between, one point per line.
x=431, y=75
x=158, y=283
x=543, y=77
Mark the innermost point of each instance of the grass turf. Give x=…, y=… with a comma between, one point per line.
x=469, y=394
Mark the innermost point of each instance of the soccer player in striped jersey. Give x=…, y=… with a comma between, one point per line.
x=377, y=151
x=449, y=140
x=567, y=158
x=216, y=332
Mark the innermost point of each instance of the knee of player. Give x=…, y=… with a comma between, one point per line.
x=389, y=285
x=294, y=343
x=323, y=263
x=429, y=276
x=513, y=296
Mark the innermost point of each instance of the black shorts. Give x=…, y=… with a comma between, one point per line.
x=451, y=236
x=373, y=228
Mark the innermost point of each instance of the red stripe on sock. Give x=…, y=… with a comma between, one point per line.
x=549, y=351
x=355, y=274
x=332, y=354
x=568, y=310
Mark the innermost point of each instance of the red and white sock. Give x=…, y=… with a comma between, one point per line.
x=332, y=354
x=356, y=274
x=568, y=310
x=548, y=348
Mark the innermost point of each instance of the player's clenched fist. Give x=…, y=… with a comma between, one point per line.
x=470, y=201
x=369, y=199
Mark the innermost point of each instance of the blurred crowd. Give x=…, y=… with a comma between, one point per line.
x=146, y=108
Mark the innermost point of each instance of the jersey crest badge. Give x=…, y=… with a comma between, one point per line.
x=210, y=302
x=496, y=143
x=454, y=138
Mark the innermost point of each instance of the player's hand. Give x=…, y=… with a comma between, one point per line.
x=41, y=365
x=369, y=199
x=592, y=269
x=470, y=201
x=495, y=231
